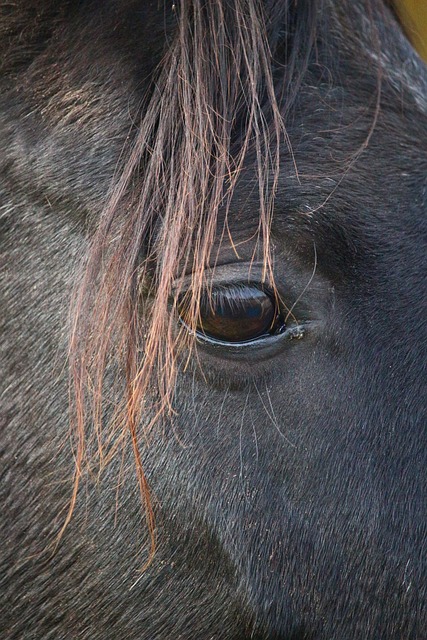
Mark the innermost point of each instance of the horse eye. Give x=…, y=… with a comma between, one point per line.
x=238, y=313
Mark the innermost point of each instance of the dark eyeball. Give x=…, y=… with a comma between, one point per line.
x=238, y=313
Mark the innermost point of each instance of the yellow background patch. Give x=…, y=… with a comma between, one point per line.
x=413, y=14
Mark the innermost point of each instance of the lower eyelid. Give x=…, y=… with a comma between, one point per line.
x=233, y=366
x=295, y=332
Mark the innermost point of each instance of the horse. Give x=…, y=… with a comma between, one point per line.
x=213, y=321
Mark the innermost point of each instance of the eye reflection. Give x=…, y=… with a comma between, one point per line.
x=238, y=313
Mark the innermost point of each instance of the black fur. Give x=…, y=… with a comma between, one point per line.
x=290, y=491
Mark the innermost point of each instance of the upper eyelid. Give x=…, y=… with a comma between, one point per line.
x=228, y=274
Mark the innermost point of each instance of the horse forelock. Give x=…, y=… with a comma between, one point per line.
x=212, y=106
